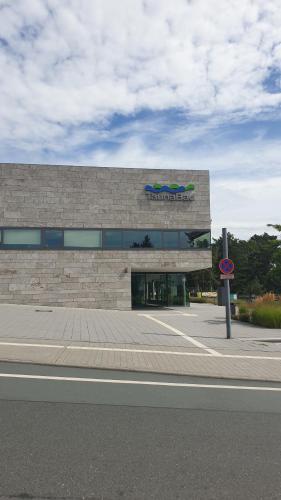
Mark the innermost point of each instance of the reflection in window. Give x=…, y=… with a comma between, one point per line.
x=176, y=289
x=53, y=238
x=142, y=239
x=170, y=239
x=79, y=238
x=185, y=241
x=107, y=238
x=201, y=240
x=22, y=237
x=195, y=239
x=112, y=238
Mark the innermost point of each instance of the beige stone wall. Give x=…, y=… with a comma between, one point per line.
x=64, y=196
x=39, y=196
x=99, y=279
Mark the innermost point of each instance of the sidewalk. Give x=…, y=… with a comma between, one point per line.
x=188, y=341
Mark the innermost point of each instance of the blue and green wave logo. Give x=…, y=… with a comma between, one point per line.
x=171, y=188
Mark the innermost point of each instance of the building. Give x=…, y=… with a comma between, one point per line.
x=101, y=237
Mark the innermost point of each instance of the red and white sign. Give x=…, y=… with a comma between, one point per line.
x=226, y=266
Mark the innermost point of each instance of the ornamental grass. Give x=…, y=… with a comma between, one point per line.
x=267, y=298
x=267, y=315
x=264, y=311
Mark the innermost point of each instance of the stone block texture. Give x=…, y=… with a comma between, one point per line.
x=93, y=197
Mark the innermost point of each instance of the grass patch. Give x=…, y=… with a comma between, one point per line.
x=266, y=313
x=268, y=316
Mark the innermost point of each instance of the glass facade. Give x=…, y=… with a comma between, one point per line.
x=202, y=241
x=159, y=289
x=53, y=238
x=142, y=239
x=106, y=239
x=77, y=238
x=20, y=237
x=113, y=238
x=171, y=239
x=195, y=239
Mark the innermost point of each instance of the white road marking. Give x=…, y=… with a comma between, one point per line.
x=246, y=356
x=146, y=351
x=32, y=345
x=138, y=382
x=178, y=332
x=177, y=353
x=168, y=314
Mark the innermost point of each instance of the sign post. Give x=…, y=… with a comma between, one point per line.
x=184, y=290
x=227, y=269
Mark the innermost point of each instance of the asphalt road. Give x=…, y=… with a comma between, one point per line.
x=97, y=434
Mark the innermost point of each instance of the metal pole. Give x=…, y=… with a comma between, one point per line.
x=184, y=290
x=226, y=286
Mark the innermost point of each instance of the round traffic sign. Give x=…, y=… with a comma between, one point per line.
x=226, y=266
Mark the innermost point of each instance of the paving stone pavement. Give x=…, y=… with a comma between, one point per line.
x=181, y=340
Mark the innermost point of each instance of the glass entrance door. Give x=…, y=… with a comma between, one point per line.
x=159, y=289
x=156, y=289
x=138, y=290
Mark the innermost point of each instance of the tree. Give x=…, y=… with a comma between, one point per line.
x=274, y=276
x=257, y=265
x=276, y=226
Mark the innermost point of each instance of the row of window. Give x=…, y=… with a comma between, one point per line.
x=109, y=239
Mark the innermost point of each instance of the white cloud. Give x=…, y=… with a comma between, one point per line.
x=68, y=66
x=244, y=199
x=246, y=206
x=76, y=61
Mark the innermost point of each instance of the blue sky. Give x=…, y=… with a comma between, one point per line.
x=150, y=83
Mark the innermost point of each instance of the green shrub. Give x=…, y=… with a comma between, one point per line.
x=242, y=309
x=245, y=316
x=268, y=316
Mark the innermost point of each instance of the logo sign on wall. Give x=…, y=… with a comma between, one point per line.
x=171, y=192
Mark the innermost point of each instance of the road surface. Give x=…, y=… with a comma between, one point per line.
x=70, y=433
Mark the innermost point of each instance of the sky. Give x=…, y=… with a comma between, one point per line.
x=184, y=84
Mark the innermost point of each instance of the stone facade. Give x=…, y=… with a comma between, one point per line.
x=91, y=197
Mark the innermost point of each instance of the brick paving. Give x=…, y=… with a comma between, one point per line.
x=125, y=339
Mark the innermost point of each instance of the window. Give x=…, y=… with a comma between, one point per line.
x=170, y=239
x=142, y=239
x=113, y=238
x=185, y=240
x=195, y=239
x=53, y=238
x=79, y=238
x=20, y=237
x=201, y=240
